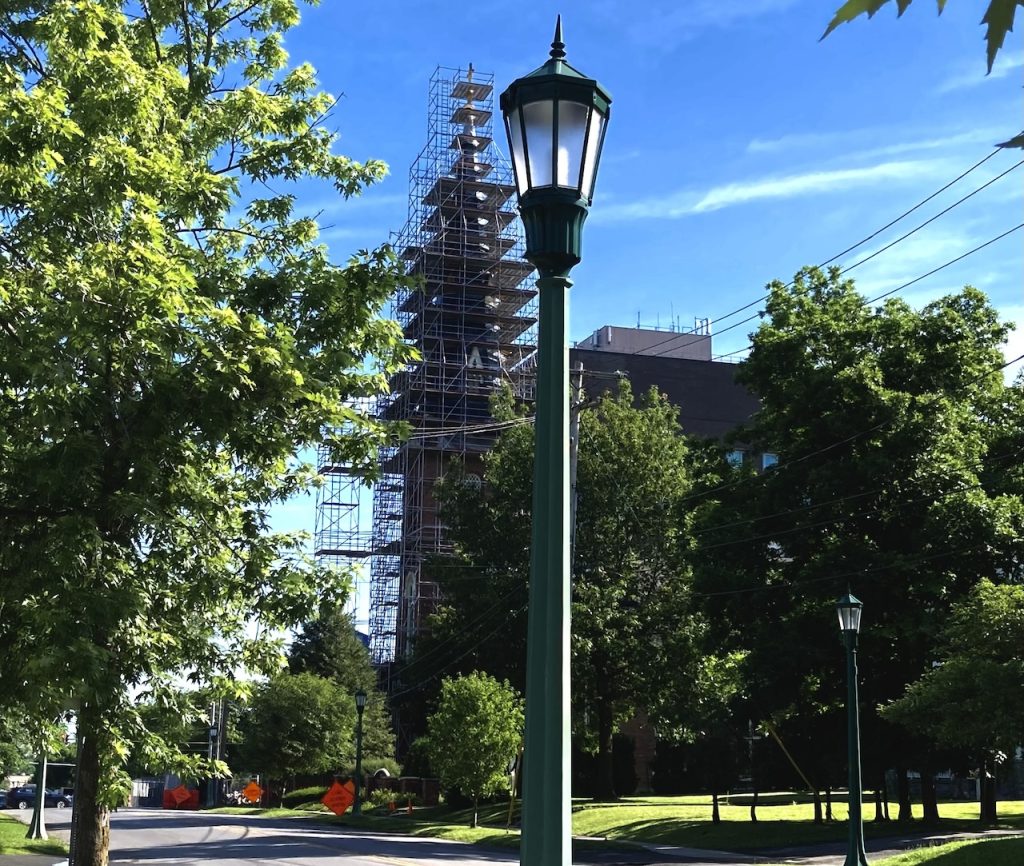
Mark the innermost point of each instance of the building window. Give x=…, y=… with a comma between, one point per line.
x=768, y=460
x=734, y=458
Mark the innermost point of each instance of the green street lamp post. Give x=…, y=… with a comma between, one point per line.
x=357, y=806
x=849, y=609
x=555, y=119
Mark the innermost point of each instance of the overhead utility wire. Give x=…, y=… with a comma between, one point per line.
x=784, y=464
x=859, y=243
x=770, y=536
x=873, y=571
x=891, y=291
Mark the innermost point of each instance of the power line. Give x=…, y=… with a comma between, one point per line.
x=899, y=288
x=778, y=467
x=861, y=242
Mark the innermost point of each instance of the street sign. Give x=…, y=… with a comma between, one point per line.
x=339, y=797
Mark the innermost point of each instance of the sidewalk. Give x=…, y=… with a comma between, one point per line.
x=823, y=854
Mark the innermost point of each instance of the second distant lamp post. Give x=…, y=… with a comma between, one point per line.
x=357, y=805
x=555, y=119
x=849, y=609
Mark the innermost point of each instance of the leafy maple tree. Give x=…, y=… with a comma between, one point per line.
x=171, y=335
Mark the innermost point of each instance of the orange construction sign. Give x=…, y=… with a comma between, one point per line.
x=339, y=797
x=252, y=792
x=180, y=794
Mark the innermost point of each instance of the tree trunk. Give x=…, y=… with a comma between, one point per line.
x=929, y=801
x=817, y=806
x=716, y=817
x=476, y=807
x=753, y=808
x=604, y=783
x=828, y=804
x=906, y=813
x=879, y=814
x=92, y=821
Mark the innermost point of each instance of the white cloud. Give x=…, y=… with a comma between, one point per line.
x=811, y=183
x=1005, y=63
x=687, y=202
x=803, y=141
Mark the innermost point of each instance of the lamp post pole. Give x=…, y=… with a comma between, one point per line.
x=555, y=119
x=357, y=805
x=849, y=610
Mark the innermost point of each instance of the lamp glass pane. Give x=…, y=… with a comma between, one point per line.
x=539, y=120
x=514, y=126
x=572, y=127
x=849, y=617
x=590, y=155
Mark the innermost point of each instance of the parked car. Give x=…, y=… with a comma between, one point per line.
x=3, y=799
x=25, y=798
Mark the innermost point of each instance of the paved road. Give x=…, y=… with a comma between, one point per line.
x=153, y=837
x=158, y=838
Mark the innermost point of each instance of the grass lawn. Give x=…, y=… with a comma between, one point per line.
x=13, y=841
x=684, y=821
x=988, y=852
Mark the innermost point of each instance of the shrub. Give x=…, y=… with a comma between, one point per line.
x=302, y=798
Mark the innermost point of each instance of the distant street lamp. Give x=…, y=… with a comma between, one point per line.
x=849, y=609
x=555, y=119
x=357, y=806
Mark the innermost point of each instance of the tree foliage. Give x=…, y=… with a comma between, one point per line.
x=973, y=698
x=631, y=622
x=474, y=733
x=296, y=724
x=896, y=440
x=998, y=17
x=329, y=647
x=171, y=335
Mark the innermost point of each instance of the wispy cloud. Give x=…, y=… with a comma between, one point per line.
x=923, y=252
x=1005, y=63
x=811, y=140
x=688, y=202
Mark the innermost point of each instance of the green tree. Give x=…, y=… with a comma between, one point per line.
x=474, y=733
x=171, y=335
x=998, y=16
x=329, y=647
x=891, y=425
x=16, y=752
x=973, y=699
x=296, y=724
x=631, y=623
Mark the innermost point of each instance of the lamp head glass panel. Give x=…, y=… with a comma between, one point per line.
x=849, y=608
x=555, y=119
x=360, y=699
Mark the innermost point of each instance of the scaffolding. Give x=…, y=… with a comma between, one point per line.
x=472, y=316
x=340, y=538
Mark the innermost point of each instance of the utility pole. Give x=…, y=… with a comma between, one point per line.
x=575, y=408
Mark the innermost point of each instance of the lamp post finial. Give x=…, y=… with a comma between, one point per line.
x=558, y=46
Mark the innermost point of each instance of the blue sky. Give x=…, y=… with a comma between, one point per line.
x=739, y=149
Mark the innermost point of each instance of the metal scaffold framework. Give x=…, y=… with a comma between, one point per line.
x=471, y=314
x=339, y=536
